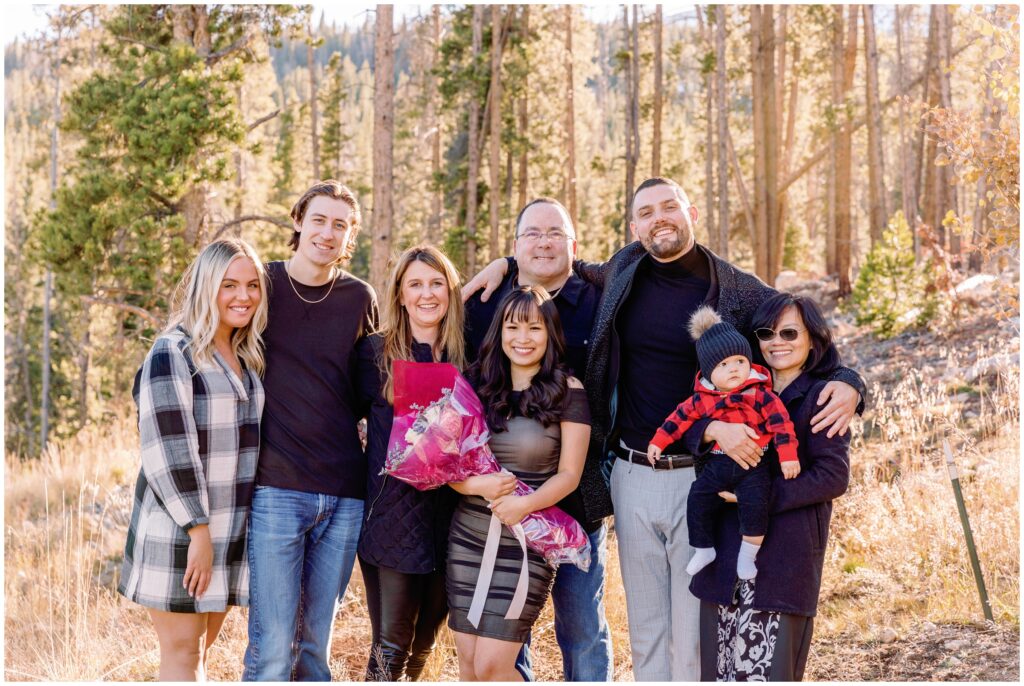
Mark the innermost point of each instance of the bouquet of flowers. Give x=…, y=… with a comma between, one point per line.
x=440, y=435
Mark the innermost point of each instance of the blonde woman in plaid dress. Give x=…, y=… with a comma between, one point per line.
x=199, y=400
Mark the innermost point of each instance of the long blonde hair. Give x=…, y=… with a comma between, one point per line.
x=194, y=305
x=395, y=326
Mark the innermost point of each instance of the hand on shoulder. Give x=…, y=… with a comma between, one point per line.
x=573, y=382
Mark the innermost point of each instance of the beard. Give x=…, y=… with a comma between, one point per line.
x=668, y=247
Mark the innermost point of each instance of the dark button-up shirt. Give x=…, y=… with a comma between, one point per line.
x=577, y=305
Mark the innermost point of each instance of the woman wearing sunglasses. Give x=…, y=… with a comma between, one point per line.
x=761, y=629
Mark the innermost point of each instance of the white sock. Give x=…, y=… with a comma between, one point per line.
x=745, y=567
x=701, y=559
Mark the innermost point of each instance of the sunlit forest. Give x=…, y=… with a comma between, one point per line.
x=867, y=152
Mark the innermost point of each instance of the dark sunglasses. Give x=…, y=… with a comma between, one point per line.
x=767, y=334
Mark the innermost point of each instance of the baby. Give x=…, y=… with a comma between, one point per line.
x=731, y=389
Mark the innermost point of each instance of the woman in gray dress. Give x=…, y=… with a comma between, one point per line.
x=540, y=426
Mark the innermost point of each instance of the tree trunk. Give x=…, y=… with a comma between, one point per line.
x=314, y=113
x=201, y=31
x=570, y=121
x=494, y=163
x=723, y=135
x=980, y=242
x=474, y=149
x=630, y=167
x=771, y=143
x=436, y=196
x=947, y=192
x=844, y=229
x=658, y=88
x=510, y=213
x=831, y=248
x=191, y=26
x=383, y=145
x=908, y=189
x=239, y=164
x=524, y=128
x=44, y=408
x=787, y=147
x=709, y=144
x=878, y=213
x=931, y=201
x=760, y=104
x=635, y=82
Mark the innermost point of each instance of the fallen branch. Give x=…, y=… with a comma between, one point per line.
x=253, y=218
x=134, y=309
x=264, y=119
x=221, y=54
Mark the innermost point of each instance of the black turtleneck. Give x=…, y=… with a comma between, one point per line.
x=658, y=358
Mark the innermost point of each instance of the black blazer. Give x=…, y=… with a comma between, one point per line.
x=791, y=558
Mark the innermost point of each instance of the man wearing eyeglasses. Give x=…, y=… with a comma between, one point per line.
x=641, y=363
x=544, y=249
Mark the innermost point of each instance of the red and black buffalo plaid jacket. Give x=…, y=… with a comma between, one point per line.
x=753, y=404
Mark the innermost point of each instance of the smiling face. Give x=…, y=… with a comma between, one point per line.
x=238, y=296
x=424, y=295
x=325, y=231
x=525, y=339
x=663, y=221
x=730, y=373
x=787, y=356
x=545, y=245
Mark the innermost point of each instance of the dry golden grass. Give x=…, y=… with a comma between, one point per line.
x=896, y=556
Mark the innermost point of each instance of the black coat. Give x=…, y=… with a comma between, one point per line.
x=791, y=558
x=403, y=529
x=738, y=295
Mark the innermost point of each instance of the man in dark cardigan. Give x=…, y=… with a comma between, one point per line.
x=641, y=365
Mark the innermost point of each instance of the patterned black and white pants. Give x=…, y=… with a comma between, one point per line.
x=751, y=645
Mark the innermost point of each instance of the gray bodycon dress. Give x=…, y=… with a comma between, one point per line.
x=531, y=451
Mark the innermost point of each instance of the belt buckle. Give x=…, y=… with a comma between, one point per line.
x=668, y=461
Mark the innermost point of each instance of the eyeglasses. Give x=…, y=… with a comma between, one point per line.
x=556, y=236
x=767, y=334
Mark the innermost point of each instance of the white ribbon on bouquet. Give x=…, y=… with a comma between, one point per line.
x=483, y=579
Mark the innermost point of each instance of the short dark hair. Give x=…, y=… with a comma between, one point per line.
x=823, y=358
x=546, y=201
x=652, y=182
x=335, y=190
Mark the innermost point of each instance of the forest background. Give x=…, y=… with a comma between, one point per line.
x=868, y=155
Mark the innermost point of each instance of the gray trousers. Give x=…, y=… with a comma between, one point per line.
x=650, y=524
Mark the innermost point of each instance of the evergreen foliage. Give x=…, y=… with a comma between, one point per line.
x=892, y=290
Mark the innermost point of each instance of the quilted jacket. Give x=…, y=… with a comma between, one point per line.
x=403, y=529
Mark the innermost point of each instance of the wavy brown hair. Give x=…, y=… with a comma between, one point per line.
x=335, y=190
x=493, y=372
x=395, y=319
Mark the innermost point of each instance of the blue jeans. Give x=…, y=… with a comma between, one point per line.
x=301, y=550
x=581, y=628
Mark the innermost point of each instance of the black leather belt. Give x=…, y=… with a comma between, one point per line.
x=663, y=462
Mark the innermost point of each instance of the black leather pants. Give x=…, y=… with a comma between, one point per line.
x=406, y=613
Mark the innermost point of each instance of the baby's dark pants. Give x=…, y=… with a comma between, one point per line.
x=721, y=473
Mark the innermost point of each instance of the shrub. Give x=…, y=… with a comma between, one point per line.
x=891, y=293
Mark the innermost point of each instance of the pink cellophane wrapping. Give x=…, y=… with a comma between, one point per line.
x=440, y=435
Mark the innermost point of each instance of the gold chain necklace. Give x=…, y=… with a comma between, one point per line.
x=299, y=295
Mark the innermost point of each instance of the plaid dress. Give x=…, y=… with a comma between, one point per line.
x=199, y=431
